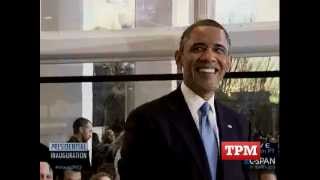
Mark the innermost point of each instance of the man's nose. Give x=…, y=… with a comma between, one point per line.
x=208, y=55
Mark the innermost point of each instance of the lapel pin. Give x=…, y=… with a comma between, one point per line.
x=229, y=126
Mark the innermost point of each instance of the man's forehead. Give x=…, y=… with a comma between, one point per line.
x=44, y=166
x=88, y=125
x=70, y=173
x=211, y=28
x=208, y=34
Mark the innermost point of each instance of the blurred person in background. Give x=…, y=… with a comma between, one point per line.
x=101, y=176
x=82, y=133
x=46, y=172
x=72, y=174
x=108, y=136
x=82, y=130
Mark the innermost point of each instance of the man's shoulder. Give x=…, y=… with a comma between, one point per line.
x=73, y=139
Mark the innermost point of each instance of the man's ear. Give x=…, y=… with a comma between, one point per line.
x=229, y=59
x=81, y=130
x=177, y=56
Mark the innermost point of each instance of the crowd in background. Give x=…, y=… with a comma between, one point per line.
x=105, y=154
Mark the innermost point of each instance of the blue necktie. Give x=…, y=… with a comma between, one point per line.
x=208, y=139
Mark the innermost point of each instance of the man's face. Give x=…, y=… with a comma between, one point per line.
x=86, y=132
x=110, y=135
x=45, y=172
x=104, y=178
x=204, y=59
x=72, y=175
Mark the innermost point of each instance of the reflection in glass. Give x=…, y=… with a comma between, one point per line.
x=246, y=11
x=106, y=15
x=86, y=15
x=153, y=13
x=256, y=98
x=248, y=64
x=109, y=99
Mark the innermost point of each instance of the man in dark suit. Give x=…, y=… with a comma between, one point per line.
x=178, y=136
x=82, y=133
x=82, y=130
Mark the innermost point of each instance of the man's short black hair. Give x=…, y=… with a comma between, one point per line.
x=79, y=122
x=205, y=22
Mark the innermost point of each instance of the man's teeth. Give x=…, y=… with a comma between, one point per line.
x=208, y=70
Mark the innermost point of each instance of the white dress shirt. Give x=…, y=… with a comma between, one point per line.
x=194, y=103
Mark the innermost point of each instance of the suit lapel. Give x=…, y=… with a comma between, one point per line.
x=221, y=127
x=225, y=124
x=182, y=120
x=220, y=122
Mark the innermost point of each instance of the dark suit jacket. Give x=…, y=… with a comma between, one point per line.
x=162, y=142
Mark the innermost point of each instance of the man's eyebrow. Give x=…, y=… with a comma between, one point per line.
x=199, y=44
x=214, y=45
x=220, y=45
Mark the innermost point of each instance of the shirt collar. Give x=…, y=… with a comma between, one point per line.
x=193, y=100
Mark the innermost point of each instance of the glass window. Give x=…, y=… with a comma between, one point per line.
x=108, y=104
x=246, y=11
x=103, y=15
x=247, y=64
x=256, y=98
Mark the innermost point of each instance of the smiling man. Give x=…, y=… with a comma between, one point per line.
x=178, y=136
x=204, y=57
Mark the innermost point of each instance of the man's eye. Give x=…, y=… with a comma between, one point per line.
x=220, y=50
x=198, y=49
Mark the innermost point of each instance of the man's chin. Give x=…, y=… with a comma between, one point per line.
x=209, y=86
x=208, y=89
x=211, y=89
